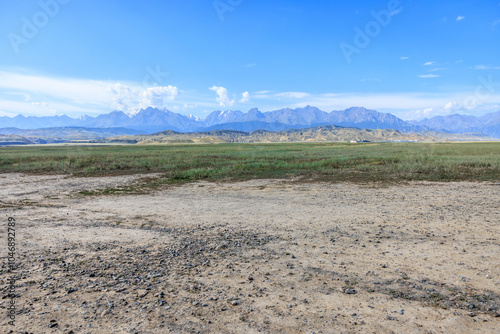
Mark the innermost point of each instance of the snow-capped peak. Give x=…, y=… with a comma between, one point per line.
x=193, y=117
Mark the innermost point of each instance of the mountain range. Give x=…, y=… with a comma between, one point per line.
x=151, y=120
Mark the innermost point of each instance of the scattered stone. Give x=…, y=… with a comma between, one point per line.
x=350, y=291
x=71, y=290
x=142, y=293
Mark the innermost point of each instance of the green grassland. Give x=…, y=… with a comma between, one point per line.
x=331, y=162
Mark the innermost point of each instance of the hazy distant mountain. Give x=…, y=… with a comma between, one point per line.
x=488, y=124
x=371, y=119
x=151, y=120
x=303, y=116
x=115, y=118
x=452, y=123
x=252, y=126
x=34, y=122
x=221, y=117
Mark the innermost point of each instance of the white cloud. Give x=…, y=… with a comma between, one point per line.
x=12, y=108
x=450, y=107
x=222, y=96
x=43, y=104
x=123, y=97
x=428, y=76
x=420, y=114
x=61, y=88
x=483, y=67
x=76, y=96
x=460, y=18
x=293, y=95
x=429, y=63
x=249, y=65
x=471, y=105
x=158, y=96
x=245, y=97
x=437, y=69
x=494, y=23
x=404, y=58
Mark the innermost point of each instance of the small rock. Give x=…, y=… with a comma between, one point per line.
x=350, y=291
x=235, y=302
x=70, y=290
x=401, y=312
x=142, y=293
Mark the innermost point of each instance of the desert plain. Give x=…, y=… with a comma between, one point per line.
x=256, y=256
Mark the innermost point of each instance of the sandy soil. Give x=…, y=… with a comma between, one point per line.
x=252, y=257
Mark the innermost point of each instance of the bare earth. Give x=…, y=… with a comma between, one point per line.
x=252, y=257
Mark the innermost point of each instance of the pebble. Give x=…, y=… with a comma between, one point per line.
x=142, y=293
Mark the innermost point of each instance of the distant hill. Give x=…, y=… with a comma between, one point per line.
x=316, y=134
x=65, y=134
x=8, y=140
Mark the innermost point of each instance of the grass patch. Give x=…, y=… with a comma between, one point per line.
x=331, y=162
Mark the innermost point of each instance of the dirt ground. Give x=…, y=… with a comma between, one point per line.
x=263, y=256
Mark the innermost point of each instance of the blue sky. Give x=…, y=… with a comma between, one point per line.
x=414, y=59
